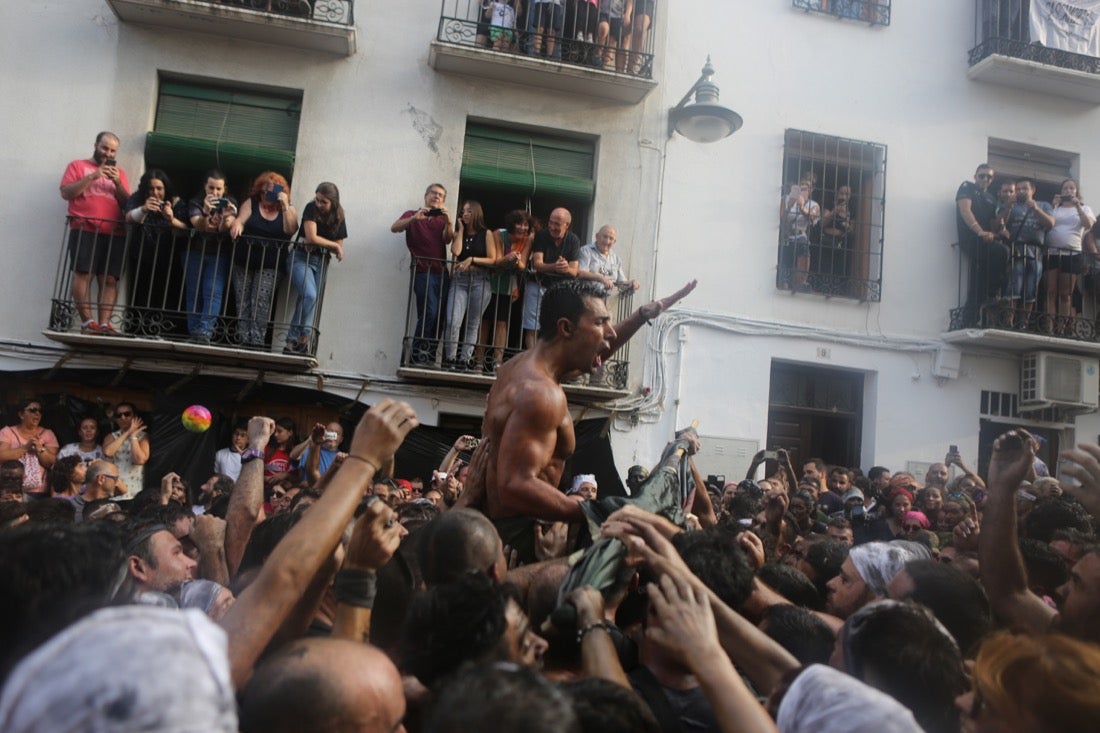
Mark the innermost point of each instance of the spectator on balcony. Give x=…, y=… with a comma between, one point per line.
x=151, y=210
x=206, y=261
x=267, y=220
x=96, y=190
x=610, y=34
x=324, y=229
x=581, y=25
x=975, y=213
x=555, y=254
x=798, y=213
x=128, y=448
x=428, y=231
x=544, y=25
x=33, y=446
x=475, y=249
x=638, y=15
x=1027, y=224
x=502, y=25
x=597, y=262
x=1064, y=261
x=87, y=447
x=514, y=245
x=836, y=227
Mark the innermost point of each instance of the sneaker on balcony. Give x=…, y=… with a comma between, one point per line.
x=91, y=328
x=106, y=329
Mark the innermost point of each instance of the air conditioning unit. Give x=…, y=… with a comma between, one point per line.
x=1048, y=379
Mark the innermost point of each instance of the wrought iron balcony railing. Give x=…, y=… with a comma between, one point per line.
x=875, y=12
x=1010, y=288
x=1003, y=28
x=179, y=285
x=577, y=34
x=471, y=322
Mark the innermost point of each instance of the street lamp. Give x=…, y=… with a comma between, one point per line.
x=704, y=120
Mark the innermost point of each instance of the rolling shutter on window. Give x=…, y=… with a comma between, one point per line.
x=538, y=164
x=200, y=127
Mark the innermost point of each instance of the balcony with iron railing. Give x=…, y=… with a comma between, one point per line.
x=988, y=315
x=566, y=47
x=314, y=25
x=873, y=12
x=1033, y=47
x=460, y=327
x=186, y=295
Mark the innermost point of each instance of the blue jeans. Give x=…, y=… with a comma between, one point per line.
x=469, y=297
x=204, y=277
x=306, y=272
x=428, y=290
x=1026, y=273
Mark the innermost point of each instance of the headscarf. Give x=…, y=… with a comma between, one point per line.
x=878, y=562
x=918, y=516
x=583, y=478
x=125, y=668
x=825, y=700
x=200, y=594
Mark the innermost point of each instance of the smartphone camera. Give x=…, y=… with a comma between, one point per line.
x=952, y=449
x=434, y=212
x=273, y=194
x=473, y=443
x=332, y=436
x=111, y=162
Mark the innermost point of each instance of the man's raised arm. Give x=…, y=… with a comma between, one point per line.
x=1002, y=566
x=645, y=314
x=530, y=435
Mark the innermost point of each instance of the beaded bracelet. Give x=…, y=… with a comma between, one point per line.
x=605, y=625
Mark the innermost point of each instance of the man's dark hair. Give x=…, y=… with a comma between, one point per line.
x=504, y=698
x=453, y=623
x=10, y=511
x=983, y=166
x=1052, y=513
x=956, y=599
x=826, y=557
x=222, y=485
x=137, y=536
x=877, y=471
x=458, y=542
x=52, y=575
x=791, y=583
x=51, y=511
x=1025, y=179
x=841, y=470
x=265, y=537
x=398, y=581
x=144, y=499
x=821, y=466
x=310, y=492
x=214, y=173
x=898, y=649
x=1046, y=569
x=743, y=506
x=714, y=556
x=303, y=700
x=838, y=523
x=604, y=707
x=565, y=299
x=800, y=632
x=61, y=471
x=417, y=513
x=167, y=514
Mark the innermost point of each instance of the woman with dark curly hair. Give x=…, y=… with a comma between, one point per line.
x=67, y=477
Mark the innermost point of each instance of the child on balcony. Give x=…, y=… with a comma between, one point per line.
x=503, y=24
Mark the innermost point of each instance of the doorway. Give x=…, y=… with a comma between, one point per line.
x=814, y=412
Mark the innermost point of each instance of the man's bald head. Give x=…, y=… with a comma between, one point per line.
x=322, y=685
x=559, y=223
x=458, y=542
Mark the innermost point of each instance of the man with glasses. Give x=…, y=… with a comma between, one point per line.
x=974, y=217
x=101, y=483
x=128, y=447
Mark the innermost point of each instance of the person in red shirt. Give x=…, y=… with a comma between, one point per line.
x=96, y=190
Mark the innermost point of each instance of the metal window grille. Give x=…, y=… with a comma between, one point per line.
x=874, y=12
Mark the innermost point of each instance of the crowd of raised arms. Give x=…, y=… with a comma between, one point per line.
x=312, y=585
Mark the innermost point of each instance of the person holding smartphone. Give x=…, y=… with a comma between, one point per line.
x=1064, y=261
x=268, y=220
x=206, y=258
x=150, y=210
x=96, y=190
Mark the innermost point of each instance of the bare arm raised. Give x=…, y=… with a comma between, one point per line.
x=645, y=314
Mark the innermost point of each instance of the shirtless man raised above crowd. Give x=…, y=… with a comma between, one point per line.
x=528, y=432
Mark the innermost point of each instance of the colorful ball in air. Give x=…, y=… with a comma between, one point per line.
x=196, y=418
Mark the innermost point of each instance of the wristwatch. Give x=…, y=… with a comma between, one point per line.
x=250, y=454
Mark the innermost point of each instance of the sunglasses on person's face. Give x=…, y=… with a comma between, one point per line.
x=124, y=414
x=35, y=410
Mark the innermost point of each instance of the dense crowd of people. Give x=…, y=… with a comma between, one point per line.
x=308, y=588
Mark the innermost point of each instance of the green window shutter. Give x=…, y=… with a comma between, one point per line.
x=230, y=116
x=537, y=164
x=192, y=153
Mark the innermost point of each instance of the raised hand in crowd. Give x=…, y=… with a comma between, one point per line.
x=1082, y=466
x=208, y=534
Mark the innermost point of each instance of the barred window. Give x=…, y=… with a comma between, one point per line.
x=875, y=12
x=831, y=211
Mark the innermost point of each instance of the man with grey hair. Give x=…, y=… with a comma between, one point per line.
x=599, y=263
x=555, y=255
x=100, y=482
